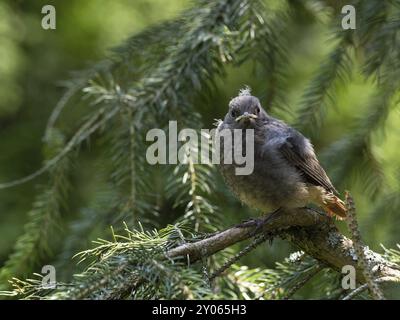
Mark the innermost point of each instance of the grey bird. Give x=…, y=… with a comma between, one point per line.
x=287, y=173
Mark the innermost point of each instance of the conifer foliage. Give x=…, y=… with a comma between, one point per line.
x=156, y=76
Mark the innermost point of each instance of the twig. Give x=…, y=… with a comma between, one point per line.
x=255, y=243
x=363, y=287
x=376, y=292
x=303, y=281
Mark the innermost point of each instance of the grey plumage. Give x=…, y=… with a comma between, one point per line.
x=286, y=172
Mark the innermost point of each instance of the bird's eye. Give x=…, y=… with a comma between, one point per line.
x=257, y=110
x=234, y=113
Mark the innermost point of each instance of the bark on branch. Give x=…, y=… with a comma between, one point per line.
x=309, y=230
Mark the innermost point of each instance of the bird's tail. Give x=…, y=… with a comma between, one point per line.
x=336, y=207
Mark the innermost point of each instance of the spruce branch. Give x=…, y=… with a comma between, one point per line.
x=131, y=94
x=129, y=266
x=319, y=93
x=297, y=286
x=354, y=149
x=254, y=244
x=268, y=30
x=366, y=286
x=310, y=231
x=152, y=43
x=243, y=282
x=94, y=123
x=35, y=244
x=156, y=263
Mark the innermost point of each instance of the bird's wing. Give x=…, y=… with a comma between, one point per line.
x=299, y=152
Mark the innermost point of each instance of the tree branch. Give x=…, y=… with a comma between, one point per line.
x=309, y=230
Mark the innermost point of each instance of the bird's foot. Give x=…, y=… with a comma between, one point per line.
x=258, y=223
x=314, y=209
x=252, y=222
x=321, y=213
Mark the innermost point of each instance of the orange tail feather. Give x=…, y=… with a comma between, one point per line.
x=336, y=207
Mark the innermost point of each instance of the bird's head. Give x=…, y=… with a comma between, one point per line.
x=245, y=111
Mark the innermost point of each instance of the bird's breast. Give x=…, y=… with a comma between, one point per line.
x=272, y=184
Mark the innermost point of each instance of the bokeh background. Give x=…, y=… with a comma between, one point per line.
x=35, y=62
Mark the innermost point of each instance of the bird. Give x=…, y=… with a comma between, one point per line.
x=286, y=173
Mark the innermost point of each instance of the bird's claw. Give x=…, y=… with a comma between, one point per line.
x=257, y=223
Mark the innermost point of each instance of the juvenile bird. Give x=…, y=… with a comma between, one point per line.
x=286, y=171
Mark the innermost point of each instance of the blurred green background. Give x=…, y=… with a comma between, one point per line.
x=34, y=62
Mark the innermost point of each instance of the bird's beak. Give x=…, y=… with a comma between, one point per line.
x=246, y=116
